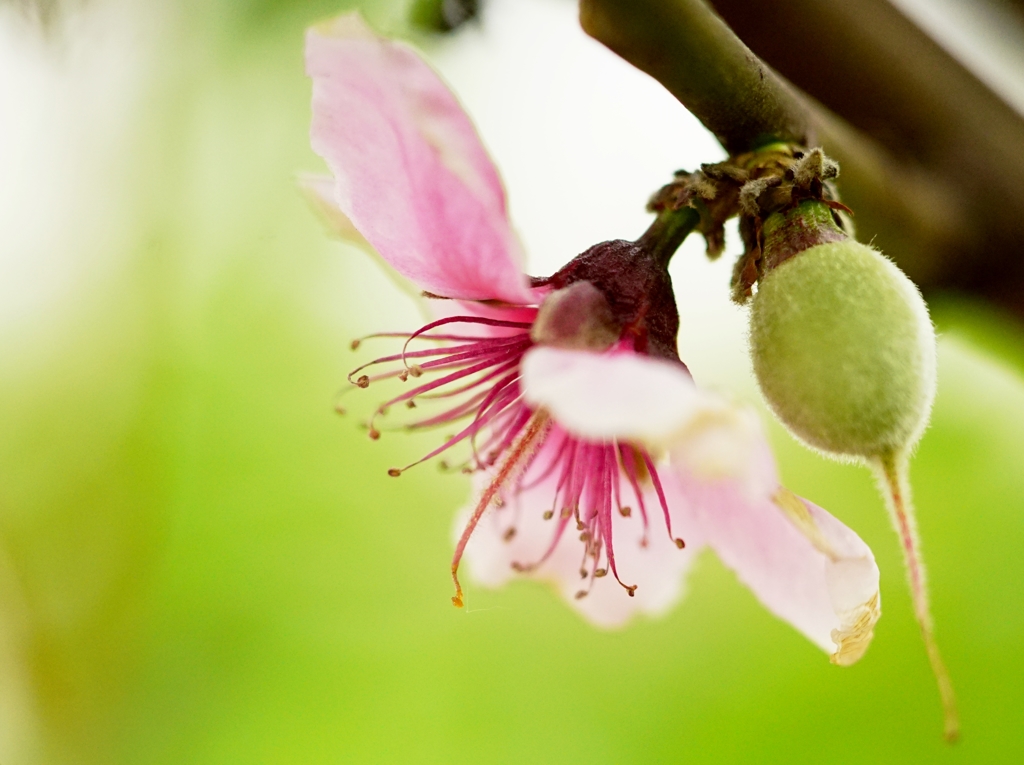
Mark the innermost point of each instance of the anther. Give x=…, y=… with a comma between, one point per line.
x=583, y=573
x=549, y=514
x=338, y=409
x=374, y=434
x=363, y=381
x=598, y=573
x=410, y=404
x=580, y=526
x=499, y=502
x=354, y=344
x=625, y=512
x=416, y=370
x=403, y=375
x=585, y=536
x=631, y=590
x=517, y=566
x=680, y=543
x=566, y=512
x=581, y=595
x=509, y=534
x=457, y=597
x=394, y=472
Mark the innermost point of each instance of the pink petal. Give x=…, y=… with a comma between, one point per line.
x=657, y=569
x=804, y=565
x=410, y=172
x=616, y=395
x=319, y=193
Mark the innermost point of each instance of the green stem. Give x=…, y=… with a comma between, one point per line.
x=892, y=474
x=668, y=232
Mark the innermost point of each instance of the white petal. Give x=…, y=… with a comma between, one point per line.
x=804, y=565
x=620, y=395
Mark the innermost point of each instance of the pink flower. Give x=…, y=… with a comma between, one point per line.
x=583, y=429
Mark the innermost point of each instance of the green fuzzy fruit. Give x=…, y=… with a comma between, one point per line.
x=844, y=351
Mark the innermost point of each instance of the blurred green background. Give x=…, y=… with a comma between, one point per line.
x=201, y=563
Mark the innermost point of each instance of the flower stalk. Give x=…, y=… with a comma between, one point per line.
x=667, y=233
x=895, y=487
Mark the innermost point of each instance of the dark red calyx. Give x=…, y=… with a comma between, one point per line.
x=637, y=288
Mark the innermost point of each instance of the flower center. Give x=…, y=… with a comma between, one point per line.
x=636, y=289
x=616, y=294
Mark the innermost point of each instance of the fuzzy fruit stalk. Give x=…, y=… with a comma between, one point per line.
x=844, y=353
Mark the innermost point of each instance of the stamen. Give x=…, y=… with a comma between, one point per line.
x=553, y=463
x=608, y=472
x=427, y=352
x=338, y=408
x=465, y=320
x=438, y=383
x=538, y=426
x=488, y=351
x=629, y=467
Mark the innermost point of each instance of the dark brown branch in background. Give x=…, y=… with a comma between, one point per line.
x=868, y=63
x=904, y=94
